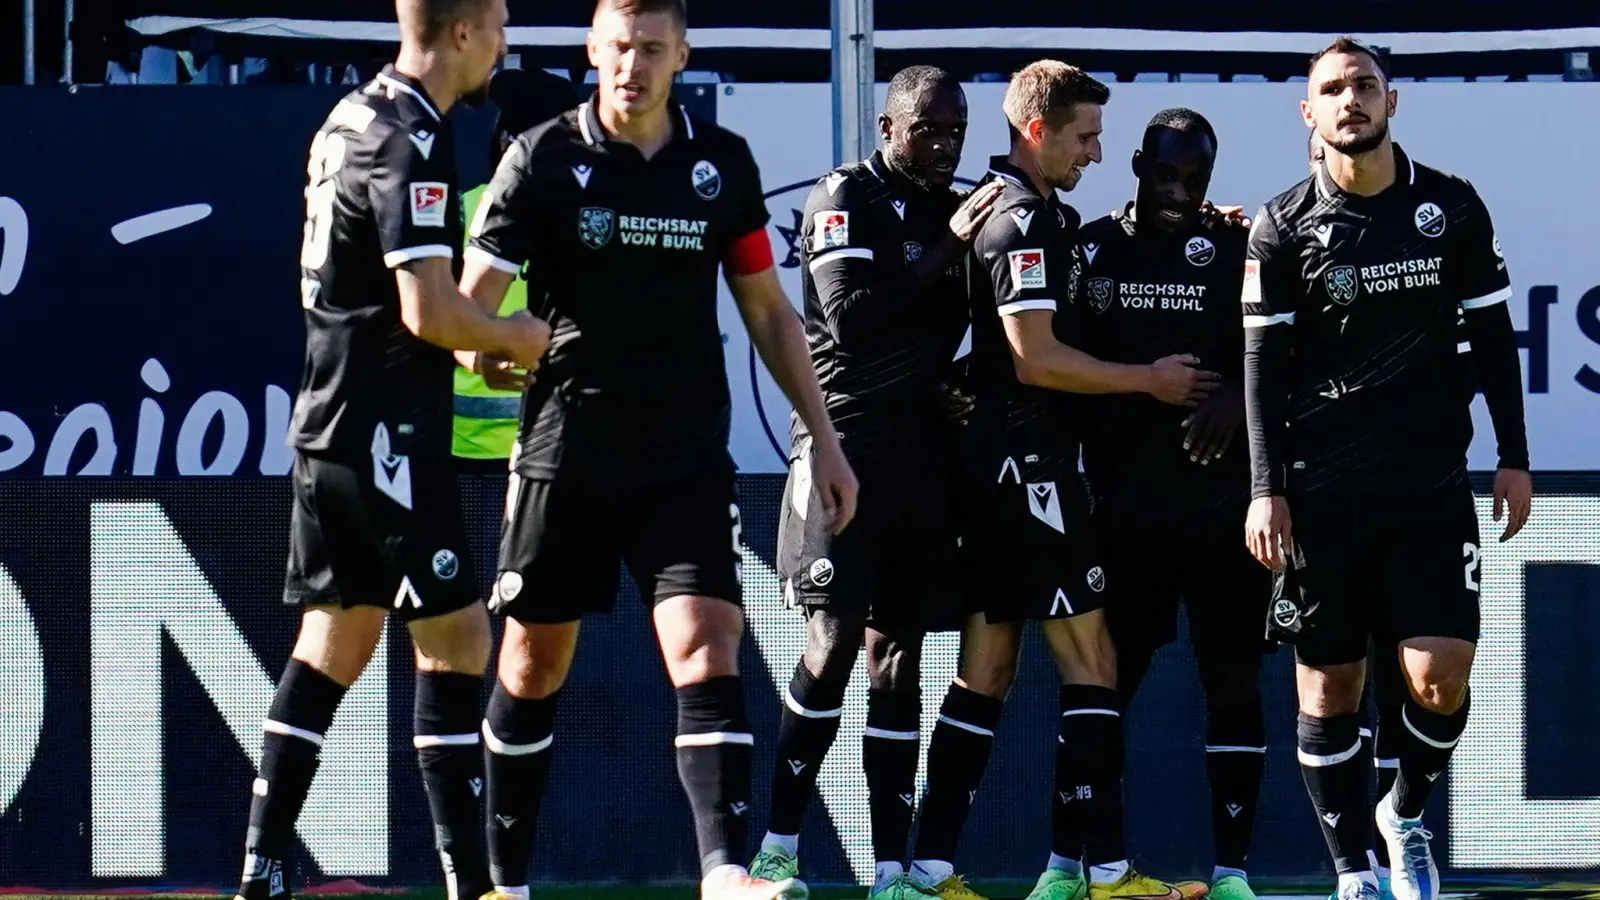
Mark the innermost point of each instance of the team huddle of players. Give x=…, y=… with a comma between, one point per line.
x=1099, y=415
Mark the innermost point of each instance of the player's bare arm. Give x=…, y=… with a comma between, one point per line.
x=487, y=286
x=433, y=310
x=1043, y=361
x=775, y=332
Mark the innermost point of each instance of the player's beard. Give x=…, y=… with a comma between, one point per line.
x=904, y=164
x=1359, y=145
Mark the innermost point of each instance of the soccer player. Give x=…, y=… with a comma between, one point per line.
x=377, y=522
x=624, y=209
x=1034, y=549
x=886, y=308
x=1353, y=286
x=1160, y=279
x=1385, y=685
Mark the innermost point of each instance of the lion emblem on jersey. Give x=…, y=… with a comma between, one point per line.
x=1341, y=284
x=1099, y=292
x=596, y=226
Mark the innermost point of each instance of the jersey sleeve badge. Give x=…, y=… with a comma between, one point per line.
x=1027, y=269
x=428, y=203
x=830, y=229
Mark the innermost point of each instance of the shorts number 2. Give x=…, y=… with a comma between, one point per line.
x=1470, y=551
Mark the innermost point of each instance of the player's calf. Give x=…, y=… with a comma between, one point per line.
x=301, y=713
x=889, y=747
x=518, y=733
x=812, y=706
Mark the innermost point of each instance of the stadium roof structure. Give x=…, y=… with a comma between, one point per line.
x=768, y=40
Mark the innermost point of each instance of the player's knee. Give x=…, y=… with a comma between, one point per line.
x=535, y=659
x=339, y=642
x=699, y=638
x=456, y=642
x=1439, y=692
x=833, y=641
x=1330, y=690
x=1083, y=650
x=990, y=676
x=893, y=663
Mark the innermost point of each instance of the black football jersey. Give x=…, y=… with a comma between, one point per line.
x=1025, y=258
x=1149, y=294
x=880, y=340
x=381, y=192
x=622, y=257
x=1367, y=294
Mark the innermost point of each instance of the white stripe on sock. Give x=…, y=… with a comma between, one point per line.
x=712, y=738
x=1317, y=762
x=1405, y=716
x=1229, y=748
x=501, y=748
x=892, y=735
x=275, y=727
x=965, y=727
x=444, y=740
x=797, y=709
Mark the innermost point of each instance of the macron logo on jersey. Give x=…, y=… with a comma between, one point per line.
x=1027, y=269
x=428, y=202
x=424, y=142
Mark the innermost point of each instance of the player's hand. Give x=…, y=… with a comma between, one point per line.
x=956, y=404
x=974, y=211
x=836, y=484
x=1212, y=427
x=1223, y=216
x=1178, y=381
x=1513, y=493
x=498, y=374
x=530, y=339
x=1269, y=532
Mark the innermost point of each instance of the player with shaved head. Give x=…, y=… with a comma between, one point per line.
x=624, y=211
x=376, y=523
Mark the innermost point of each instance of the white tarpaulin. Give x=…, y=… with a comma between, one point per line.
x=1519, y=144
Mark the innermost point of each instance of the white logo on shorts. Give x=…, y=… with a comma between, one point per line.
x=446, y=565
x=1285, y=612
x=1097, y=579
x=822, y=572
x=506, y=588
x=1045, y=504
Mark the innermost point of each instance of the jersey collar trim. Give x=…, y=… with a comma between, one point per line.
x=1001, y=167
x=1327, y=190
x=397, y=81
x=594, y=134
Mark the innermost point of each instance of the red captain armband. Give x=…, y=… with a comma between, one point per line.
x=749, y=254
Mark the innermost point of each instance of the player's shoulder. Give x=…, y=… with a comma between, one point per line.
x=1447, y=185
x=1107, y=229
x=714, y=140
x=551, y=137
x=849, y=186
x=1021, y=216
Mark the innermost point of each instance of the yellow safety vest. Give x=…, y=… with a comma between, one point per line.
x=486, y=420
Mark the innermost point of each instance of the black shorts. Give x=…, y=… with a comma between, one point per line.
x=897, y=559
x=564, y=541
x=1199, y=559
x=1030, y=542
x=1392, y=566
x=378, y=532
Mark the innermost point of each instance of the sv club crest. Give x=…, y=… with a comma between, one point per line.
x=596, y=226
x=1099, y=291
x=1341, y=284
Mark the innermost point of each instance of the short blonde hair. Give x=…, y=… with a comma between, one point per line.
x=1050, y=90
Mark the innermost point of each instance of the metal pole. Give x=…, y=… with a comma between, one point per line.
x=28, y=60
x=66, y=52
x=853, y=81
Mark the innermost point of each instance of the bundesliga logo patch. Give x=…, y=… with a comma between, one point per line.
x=830, y=228
x=1027, y=269
x=1251, y=295
x=428, y=202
